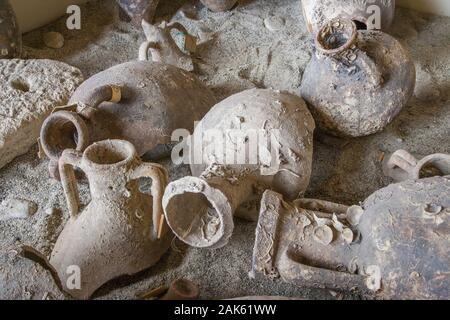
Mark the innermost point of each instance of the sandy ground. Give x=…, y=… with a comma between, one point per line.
x=239, y=52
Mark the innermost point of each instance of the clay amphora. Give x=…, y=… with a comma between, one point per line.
x=162, y=46
x=356, y=81
x=364, y=13
x=116, y=233
x=395, y=246
x=200, y=208
x=139, y=10
x=10, y=36
x=219, y=5
x=141, y=101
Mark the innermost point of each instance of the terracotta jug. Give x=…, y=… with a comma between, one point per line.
x=10, y=36
x=375, y=14
x=396, y=245
x=219, y=5
x=140, y=101
x=117, y=232
x=200, y=208
x=356, y=81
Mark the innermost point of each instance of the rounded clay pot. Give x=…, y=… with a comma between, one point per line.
x=356, y=81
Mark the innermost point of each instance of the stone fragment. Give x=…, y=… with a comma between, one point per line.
x=275, y=23
x=17, y=209
x=29, y=90
x=54, y=40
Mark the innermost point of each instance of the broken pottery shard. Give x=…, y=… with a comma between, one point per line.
x=17, y=209
x=29, y=90
x=182, y=289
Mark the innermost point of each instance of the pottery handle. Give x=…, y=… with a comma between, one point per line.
x=104, y=93
x=144, y=50
x=321, y=206
x=400, y=166
x=178, y=26
x=307, y=276
x=70, y=158
x=160, y=179
x=375, y=77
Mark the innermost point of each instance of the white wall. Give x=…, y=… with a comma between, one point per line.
x=32, y=14
x=440, y=7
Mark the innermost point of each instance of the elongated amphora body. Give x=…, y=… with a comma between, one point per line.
x=396, y=245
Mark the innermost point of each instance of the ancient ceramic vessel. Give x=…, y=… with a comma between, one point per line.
x=138, y=10
x=219, y=5
x=116, y=234
x=10, y=36
x=141, y=102
x=231, y=174
x=356, y=81
x=364, y=13
x=395, y=246
x=401, y=165
x=162, y=46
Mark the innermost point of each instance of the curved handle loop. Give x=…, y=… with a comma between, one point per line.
x=163, y=42
x=401, y=165
x=371, y=69
x=160, y=179
x=69, y=159
x=303, y=275
x=144, y=50
x=177, y=26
